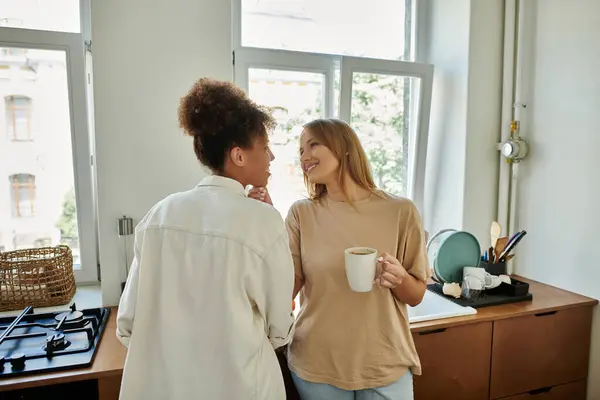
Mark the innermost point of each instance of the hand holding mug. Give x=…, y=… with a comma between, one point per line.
x=391, y=272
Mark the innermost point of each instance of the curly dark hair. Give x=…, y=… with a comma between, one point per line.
x=220, y=116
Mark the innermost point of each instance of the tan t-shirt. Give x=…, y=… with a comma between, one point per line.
x=343, y=338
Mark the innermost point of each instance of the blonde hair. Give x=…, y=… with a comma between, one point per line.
x=343, y=142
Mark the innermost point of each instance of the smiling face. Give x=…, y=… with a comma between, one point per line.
x=331, y=155
x=319, y=164
x=250, y=166
x=258, y=162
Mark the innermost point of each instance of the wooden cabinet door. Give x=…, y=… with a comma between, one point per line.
x=455, y=361
x=570, y=391
x=109, y=387
x=540, y=351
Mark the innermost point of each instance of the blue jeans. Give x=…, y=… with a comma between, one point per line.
x=402, y=389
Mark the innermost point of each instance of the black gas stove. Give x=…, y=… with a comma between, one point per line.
x=34, y=343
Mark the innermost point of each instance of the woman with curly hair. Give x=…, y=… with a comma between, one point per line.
x=208, y=294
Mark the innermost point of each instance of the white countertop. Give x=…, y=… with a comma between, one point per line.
x=85, y=297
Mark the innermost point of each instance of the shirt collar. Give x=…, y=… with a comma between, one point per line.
x=221, y=181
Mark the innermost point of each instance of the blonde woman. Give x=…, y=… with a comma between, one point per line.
x=350, y=345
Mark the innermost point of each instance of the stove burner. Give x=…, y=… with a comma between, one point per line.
x=56, y=341
x=71, y=316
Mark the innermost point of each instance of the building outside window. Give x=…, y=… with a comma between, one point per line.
x=46, y=197
x=22, y=195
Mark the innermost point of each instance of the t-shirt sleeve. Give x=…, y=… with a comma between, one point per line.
x=292, y=225
x=414, y=254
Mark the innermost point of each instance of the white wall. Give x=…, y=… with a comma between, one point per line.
x=559, y=190
x=445, y=42
x=145, y=58
x=483, y=117
x=463, y=39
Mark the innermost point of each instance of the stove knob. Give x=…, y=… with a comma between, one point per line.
x=17, y=361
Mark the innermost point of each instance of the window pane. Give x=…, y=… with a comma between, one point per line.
x=18, y=113
x=374, y=29
x=296, y=98
x=22, y=195
x=37, y=198
x=380, y=113
x=45, y=15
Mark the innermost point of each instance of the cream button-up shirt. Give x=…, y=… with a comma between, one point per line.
x=208, y=298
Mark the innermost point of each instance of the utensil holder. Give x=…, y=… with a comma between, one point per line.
x=515, y=288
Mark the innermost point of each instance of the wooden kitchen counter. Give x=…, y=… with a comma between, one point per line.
x=545, y=298
x=108, y=363
x=511, y=352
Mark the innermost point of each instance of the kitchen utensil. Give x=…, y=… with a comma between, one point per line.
x=495, y=232
x=512, y=238
x=125, y=229
x=450, y=251
x=512, y=245
x=500, y=245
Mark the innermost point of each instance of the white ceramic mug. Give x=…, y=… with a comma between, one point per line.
x=477, y=278
x=361, y=266
x=474, y=277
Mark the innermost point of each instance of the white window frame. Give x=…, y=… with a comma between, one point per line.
x=249, y=57
x=421, y=102
x=73, y=46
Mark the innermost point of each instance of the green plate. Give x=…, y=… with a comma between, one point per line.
x=456, y=250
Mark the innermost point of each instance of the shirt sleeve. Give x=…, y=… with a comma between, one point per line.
x=278, y=285
x=292, y=225
x=126, y=311
x=128, y=301
x=414, y=256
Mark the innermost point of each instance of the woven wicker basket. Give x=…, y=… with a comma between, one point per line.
x=39, y=277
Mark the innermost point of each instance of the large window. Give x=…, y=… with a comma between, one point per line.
x=22, y=195
x=43, y=15
x=46, y=121
x=373, y=29
x=18, y=117
x=350, y=60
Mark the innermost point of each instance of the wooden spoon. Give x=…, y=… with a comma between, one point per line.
x=500, y=245
x=495, y=232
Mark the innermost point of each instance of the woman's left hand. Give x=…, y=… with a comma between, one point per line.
x=391, y=272
x=260, y=194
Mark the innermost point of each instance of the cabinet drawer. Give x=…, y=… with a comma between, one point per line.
x=570, y=391
x=109, y=387
x=541, y=350
x=455, y=361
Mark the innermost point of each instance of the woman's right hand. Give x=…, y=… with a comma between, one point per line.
x=260, y=194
